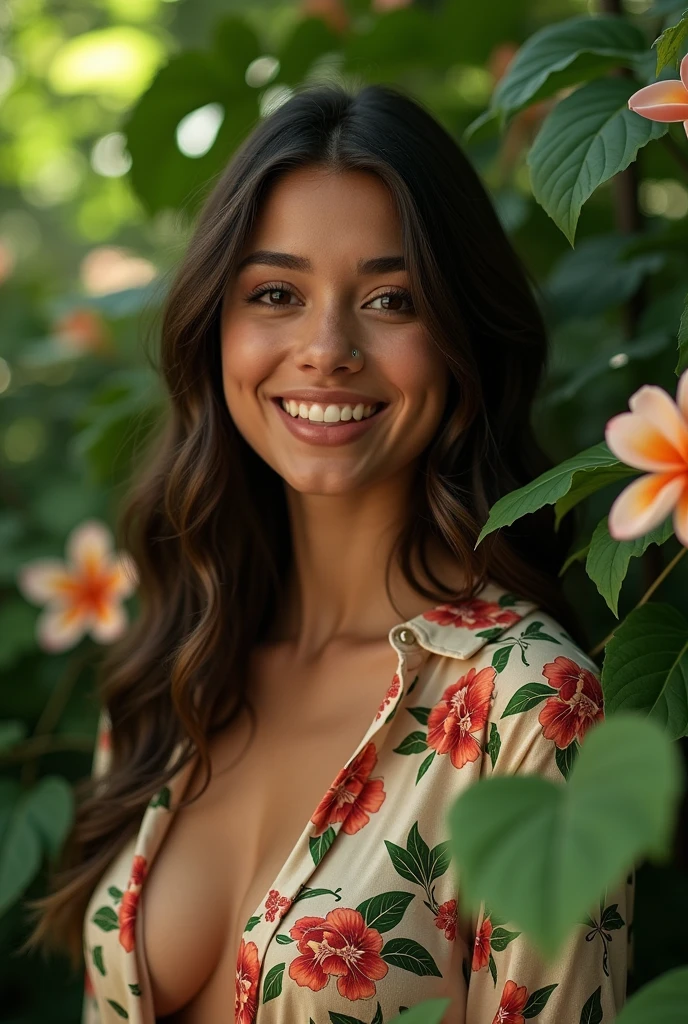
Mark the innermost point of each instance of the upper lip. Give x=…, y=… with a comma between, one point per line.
x=328, y=397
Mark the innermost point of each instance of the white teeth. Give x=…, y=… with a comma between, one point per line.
x=317, y=413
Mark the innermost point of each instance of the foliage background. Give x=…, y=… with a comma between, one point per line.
x=87, y=238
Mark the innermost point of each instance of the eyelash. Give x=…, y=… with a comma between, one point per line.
x=277, y=286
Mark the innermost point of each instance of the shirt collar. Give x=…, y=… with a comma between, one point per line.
x=459, y=630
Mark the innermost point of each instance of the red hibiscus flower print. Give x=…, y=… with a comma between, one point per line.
x=246, y=990
x=392, y=691
x=475, y=614
x=130, y=902
x=481, y=948
x=513, y=1000
x=276, y=905
x=445, y=918
x=579, y=703
x=462, y=711
x=353, y=796
x=88, y=984
x=340, y=944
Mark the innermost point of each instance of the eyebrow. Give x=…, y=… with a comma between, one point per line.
x=287, y=261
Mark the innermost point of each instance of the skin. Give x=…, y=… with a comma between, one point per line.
x=345, y=502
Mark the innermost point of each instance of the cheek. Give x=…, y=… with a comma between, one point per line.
x=247, y=359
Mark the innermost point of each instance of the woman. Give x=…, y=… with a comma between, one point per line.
x=323, y=658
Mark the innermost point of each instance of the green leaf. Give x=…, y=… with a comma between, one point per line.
x=252, y=922
x=50, y=809
x=494, y=744
x=670, y=44
x=20, y=848
x=420, y=714
x=619, y=803
x=439, y=860
x=493, y=968
x=405, y=864
x=106, y=918
x=501, y=938
x=272, y=986
x=588, y=137
x=321, y=844
x=565, y=758
x=683, y=341
x=310, y=39
x=425, y=765
x=419, y=851
x=592, y=1011
x=17, y=630
x=134, y=988
x=430, y=1011
x=410, y=956
x=414, y=743
x=284, y=940
x=97, y=954
x=645, y=667
x=500, y=658
x=385, y=911
x=344, y=1018
x=612, y=920
x=119, y=1010
x=161, y=799
x=527, y=697
x=537, y=1001
x=587, y=471
x=564, y=54
x=663, y=999
x=608, y=559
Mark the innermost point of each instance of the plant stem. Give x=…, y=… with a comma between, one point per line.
x=648, y=593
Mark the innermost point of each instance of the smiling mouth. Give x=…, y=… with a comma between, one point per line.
x=377, y=408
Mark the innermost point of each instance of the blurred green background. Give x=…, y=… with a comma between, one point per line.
x=115, y=117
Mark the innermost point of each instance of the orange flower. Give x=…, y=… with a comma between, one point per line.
x=353, y=796
x=339, y=944
x=664, y=101
x=83, y=595
x=514, y=999
x=461, y=711
x=652, y=436
x=392, y=691
x=475, y=614
x=246, y=988
x=481, y=948
x=276, y=905
x=446, y=919
x=82, y=330
x=579, y=703
x=130, y=901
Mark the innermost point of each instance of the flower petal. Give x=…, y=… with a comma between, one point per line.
x=89, y=545
x=644, y=504
x=44, y=579
x=683, y=71
x=681, y=517
x=682, y=392
x=637, y=443
x=109, y=623
x=655, y=405
x=661, y=101
x=60, y=627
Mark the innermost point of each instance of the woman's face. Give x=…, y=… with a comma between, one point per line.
x=293, y=313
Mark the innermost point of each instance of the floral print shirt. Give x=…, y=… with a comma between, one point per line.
x=364, y=919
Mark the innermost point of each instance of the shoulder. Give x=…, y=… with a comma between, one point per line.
x=546, y=696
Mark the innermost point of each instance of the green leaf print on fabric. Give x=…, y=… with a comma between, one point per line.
x=610, y=920
x=272, y=986
x=385, y=911
x=414, y=743
x=527, y=697
x=161, y=799
x=343, y=1018
x=119, y=1010
x=500, y=658
x=321, y=844
x=284, y=940
x=592, y=1011
x=115, y=893
x=419, y=864
x=492, y=968
x=134, y=989
x=566, y=757
x=410, y=956
x=420, y=714
x=106, y=918
x=412, y=686
x=252, y=922
x=425, y=765
x=305, y=893
x=538, y=1000
x=494, y=744
x=501, y=938
x=97, y=954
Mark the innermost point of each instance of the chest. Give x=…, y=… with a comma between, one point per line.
x=223, y=853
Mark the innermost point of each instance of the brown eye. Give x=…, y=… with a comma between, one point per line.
x=392, y=301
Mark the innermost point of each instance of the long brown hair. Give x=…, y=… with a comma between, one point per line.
x=206, y=519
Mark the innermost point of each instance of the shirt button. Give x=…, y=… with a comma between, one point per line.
x=407, y=637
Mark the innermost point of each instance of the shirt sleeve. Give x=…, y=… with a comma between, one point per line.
x=90, y=1014
x=507, y=978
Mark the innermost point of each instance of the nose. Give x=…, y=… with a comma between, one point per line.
x=328, y=346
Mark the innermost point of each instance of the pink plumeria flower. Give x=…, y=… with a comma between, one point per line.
x=664, y=101
x=82, y=595
x=653, y=436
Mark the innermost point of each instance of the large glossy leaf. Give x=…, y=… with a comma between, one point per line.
x=541, y=853
x=663, y=999
x=608, y=559
x=588, y=137
x=50, y=809
x=20, y=847
x=563, y=54
x=646, y=666
x=670, y=44
x=596, y=465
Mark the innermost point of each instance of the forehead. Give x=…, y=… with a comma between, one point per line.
x=310, y=209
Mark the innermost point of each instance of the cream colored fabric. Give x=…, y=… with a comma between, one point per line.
x=386, y=929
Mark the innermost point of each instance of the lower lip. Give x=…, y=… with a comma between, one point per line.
x=328, y=434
